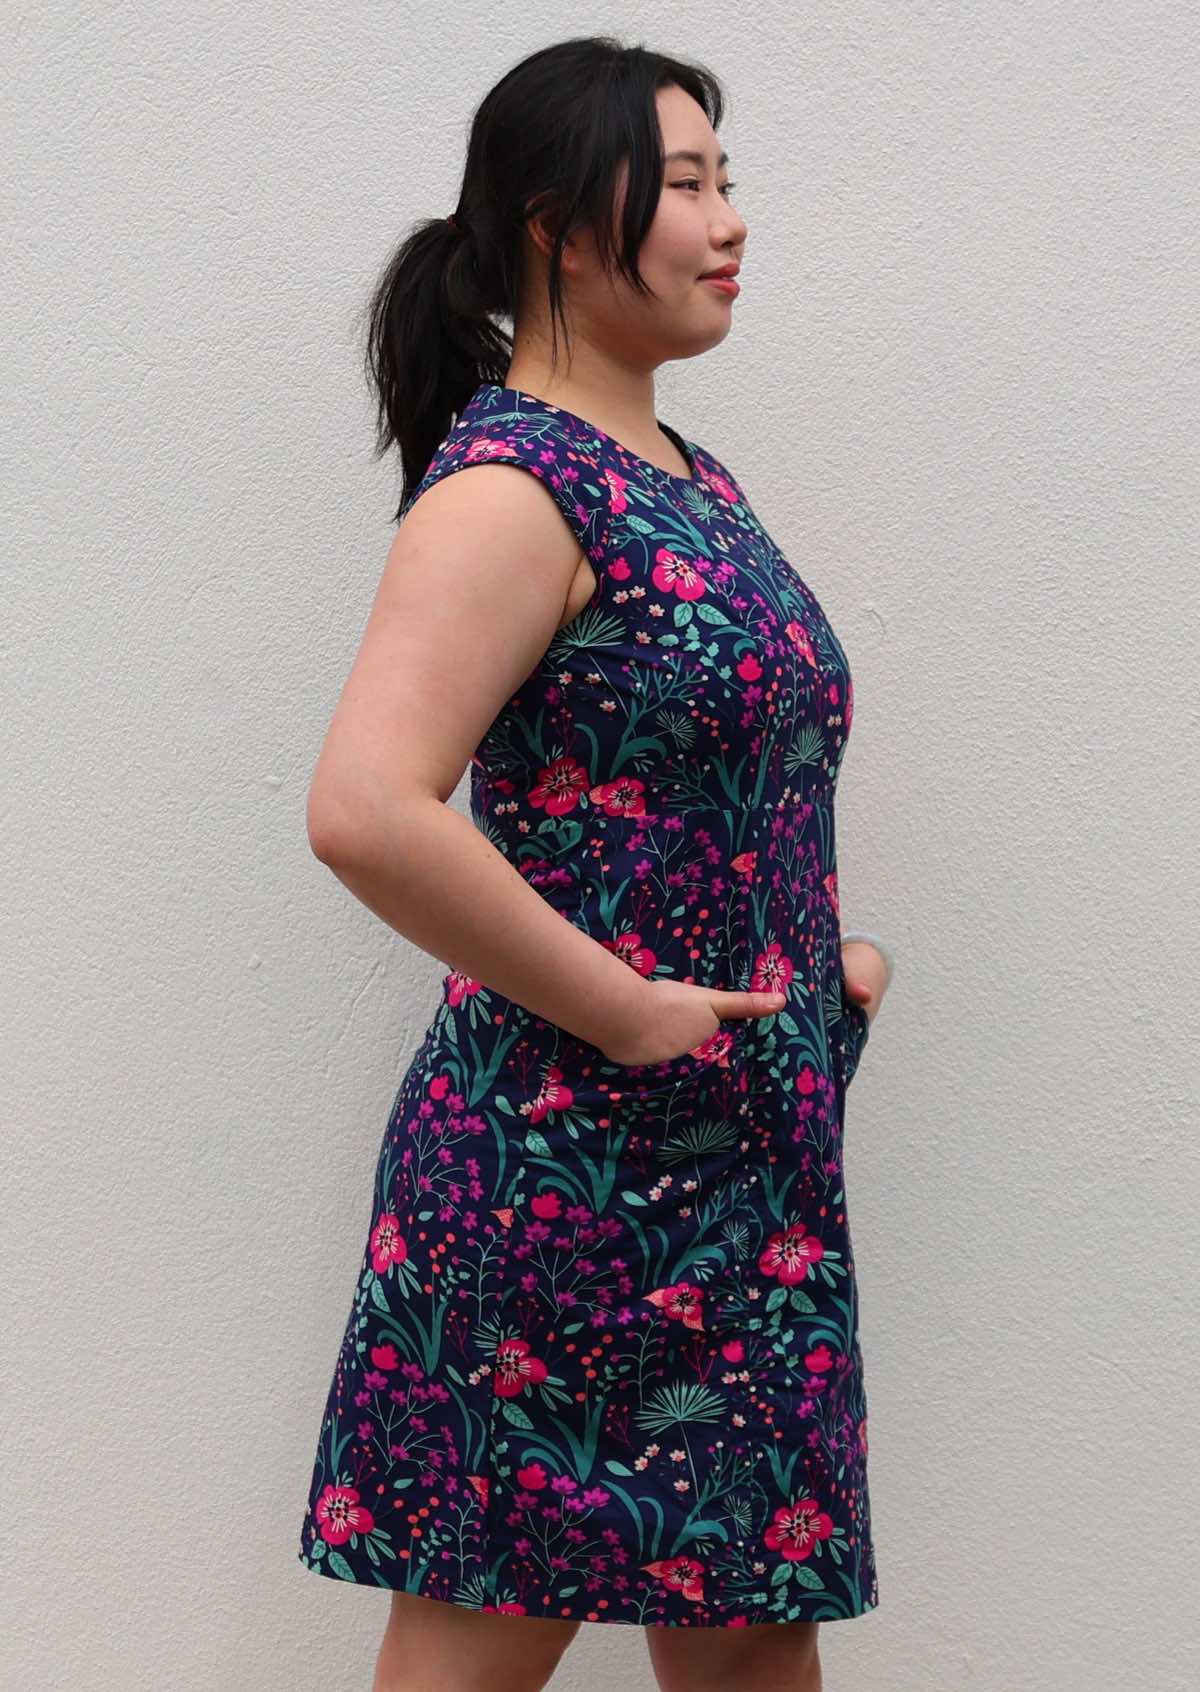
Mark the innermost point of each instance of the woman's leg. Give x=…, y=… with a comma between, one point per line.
x=433, y=1646
x=768, y=1657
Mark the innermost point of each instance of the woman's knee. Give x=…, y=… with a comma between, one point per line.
x=434, y=1646
x=768, y=1657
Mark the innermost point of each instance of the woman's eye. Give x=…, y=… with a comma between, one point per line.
x=694, y=182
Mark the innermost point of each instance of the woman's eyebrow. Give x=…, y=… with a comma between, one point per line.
x=695, y=158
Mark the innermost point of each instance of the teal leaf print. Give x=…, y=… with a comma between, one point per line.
x=679, y=1404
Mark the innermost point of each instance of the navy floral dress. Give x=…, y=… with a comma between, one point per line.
x=602, y=1361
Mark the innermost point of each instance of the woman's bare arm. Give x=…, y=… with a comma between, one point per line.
x=471, y=594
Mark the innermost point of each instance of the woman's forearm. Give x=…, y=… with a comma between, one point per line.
x=430, y=874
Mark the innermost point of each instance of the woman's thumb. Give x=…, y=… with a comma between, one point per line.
x=745, y=1005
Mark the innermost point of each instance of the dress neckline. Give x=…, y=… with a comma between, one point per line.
x=686, y=447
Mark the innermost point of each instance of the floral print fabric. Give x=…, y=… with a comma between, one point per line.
x=602, y=1360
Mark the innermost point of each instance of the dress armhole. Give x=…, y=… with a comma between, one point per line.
x=562, y=471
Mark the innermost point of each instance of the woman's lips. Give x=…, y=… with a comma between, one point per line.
x=727, y=284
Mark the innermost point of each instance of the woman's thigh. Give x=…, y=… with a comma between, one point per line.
x=433, y=1646
x=767, y=1657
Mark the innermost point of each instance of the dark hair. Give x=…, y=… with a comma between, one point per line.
x=549, y=137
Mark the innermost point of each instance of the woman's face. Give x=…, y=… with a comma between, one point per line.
x=696, y=228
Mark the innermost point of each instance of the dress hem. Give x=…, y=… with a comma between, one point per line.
x=319, y=1568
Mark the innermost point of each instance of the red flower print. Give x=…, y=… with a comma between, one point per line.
x=716, y=1047
x=339, y=1514
x=796, y=1528
x=681, y=1302
x=546, y=1205
x=680, y=1574
x=480, y=1483
x=830, y=884
x=616, y=489
x=485, y=446
x=629, y=948
x=625, y=797
x=532, y=1477
x=772, y=971
x=799, y=637
x=458, y=986
x=749, y=669
x=559, y=786
x=384, y=1357
x=388, y=1244
x=511, y=1608
x=552, y=1095
x=516, y=1369
x=744, y=863
x=733, y=1351
x=680, y=576
x=505, y=1215
x=819, y=1359
x=729, y=491
x=789, y=1254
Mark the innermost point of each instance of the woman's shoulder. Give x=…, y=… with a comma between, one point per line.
x=493, y=429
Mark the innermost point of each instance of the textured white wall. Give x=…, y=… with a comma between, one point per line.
x=962, y=389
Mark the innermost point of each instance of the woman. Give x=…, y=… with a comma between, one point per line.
x=602, y=1362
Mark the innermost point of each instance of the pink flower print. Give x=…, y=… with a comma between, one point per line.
x=796, y=1528
x=680, y=576
x=716, y=1048
x=459, y=986
x=559, y=786
x=516, y=1369
x=801, y=640
x=616, y=489
x=789, y=1254
x=681, y=1302
x=552, y=1095
x=728, y=490
x=629, y=948
x=624, y=797
x=849, y=712
x=546, y=1205
x=772, y=971
x=484, y=446
x=532, y=1477
x=679, y=1574
x=733, y=1351
x=384, y=1357
x=388, y=1244
x=339, y=1514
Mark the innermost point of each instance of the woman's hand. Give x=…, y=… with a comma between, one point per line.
x=677, y=1017
x=866, y=975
